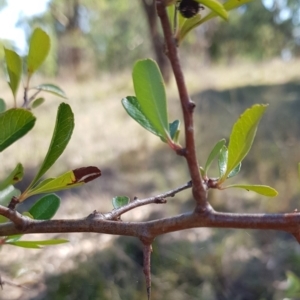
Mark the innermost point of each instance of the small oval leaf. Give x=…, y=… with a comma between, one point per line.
x=242, y=136
x=174, y=130
x=120, y=201
x=14, y=69
x=150, y=92
x=45, y=208
x=37, y=102
x=51, y=88
x=259, y=189
x=39, y=47
x=213, y=154
x=14, y=124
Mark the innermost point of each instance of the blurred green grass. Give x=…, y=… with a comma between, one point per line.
x=194, y=264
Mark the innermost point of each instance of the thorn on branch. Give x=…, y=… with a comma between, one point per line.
x=147, y=250
x=192, y=106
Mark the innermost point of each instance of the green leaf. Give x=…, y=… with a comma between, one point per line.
x=15, y=176
x=120, y=201
x=235, y=171
x=37, y=244
x=37, y=102
x=65, y=181
x=259, y=189
x=150, y=92
x=39, y=47
x=213, y=154
x=5, y=197
x=186, y=26
x=242, y=136
x=299, y=170
x=133, y=108
x=216, y=7
x=45, y=208
x=14, y=124
x=13, y=238
x=2, y=105
x=174, y=130
x=222, y=160
x=61, y=136
x=14, y=69
x=228, y=5
x=51, y=88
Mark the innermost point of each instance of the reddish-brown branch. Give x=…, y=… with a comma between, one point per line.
x=199, y=191
x=289, y=222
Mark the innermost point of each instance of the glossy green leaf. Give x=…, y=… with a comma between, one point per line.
x=222, y=160
x=45, y=208
x=37, y=102
x=14, y=124
x=14, y=69
x=51, y=88
x=150, y=93
x=5, y=197
x=213, y=154
x=216, y=7
x=15, y=176
x=37, y=244
x=2, y=105
x=39, y=47
x=61, y=136
x=235, y=171
x=120, y=201
x=242, y=136
x=174, y=130
x=133, y=108
x=259, y=189
x=65, y=181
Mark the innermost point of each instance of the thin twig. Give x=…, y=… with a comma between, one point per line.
x=199, y=191
x=159, y=199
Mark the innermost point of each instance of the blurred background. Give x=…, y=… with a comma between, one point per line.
x=229, y=66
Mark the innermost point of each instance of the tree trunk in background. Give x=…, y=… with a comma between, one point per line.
x=71, y=52
x=157, y=39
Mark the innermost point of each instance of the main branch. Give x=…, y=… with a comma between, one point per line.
x=199, y=191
